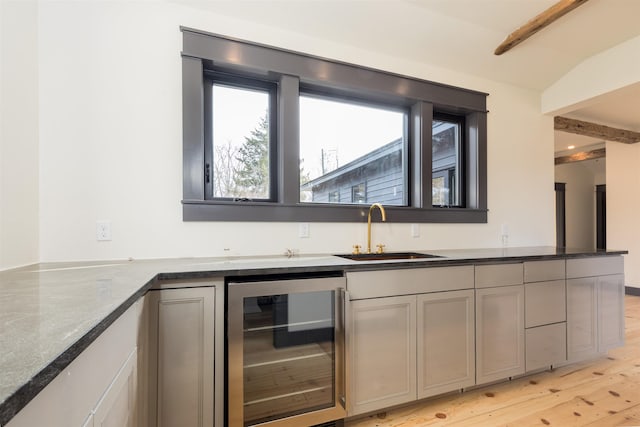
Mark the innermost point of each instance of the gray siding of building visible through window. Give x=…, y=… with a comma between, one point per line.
x=380, y=171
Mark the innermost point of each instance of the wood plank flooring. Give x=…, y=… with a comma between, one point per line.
x=602, y=392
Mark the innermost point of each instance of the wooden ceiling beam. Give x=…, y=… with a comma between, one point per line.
x=538, y=23
x=579, y=157
x=595, y=130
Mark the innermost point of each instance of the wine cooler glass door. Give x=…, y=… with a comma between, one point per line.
x=285, y=352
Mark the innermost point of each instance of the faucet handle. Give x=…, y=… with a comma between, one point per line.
x=380, y=247
x=356, y=249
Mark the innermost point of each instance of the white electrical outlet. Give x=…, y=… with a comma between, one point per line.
x=504, y=235
x=415, y=230
x=103, y=231
x=303, y=230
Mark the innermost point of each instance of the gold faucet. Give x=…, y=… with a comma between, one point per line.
x=384, y=218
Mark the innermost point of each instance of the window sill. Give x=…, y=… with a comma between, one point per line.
x=199, y=210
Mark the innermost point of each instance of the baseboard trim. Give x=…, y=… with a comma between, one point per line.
x=630, y=290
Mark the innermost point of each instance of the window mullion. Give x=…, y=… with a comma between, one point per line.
x=288, y=148
x=207, y=96
x=476, y=161
x=420, y=158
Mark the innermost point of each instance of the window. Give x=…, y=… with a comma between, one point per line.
x=359, y=193
x=447, y=159
x=343, y=143
x=275, y=135
x=241, y=144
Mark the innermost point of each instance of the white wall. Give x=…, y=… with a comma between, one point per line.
x=18, y=133
x=623, y=205
x=580, y=200
x=110, y=143
x=605, y=72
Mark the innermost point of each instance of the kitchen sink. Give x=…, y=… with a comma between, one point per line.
x=388, y=256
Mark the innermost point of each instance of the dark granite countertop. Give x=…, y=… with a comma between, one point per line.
x=49, y=313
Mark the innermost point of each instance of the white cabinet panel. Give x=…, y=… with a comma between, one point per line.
x=499, y=333
x=70, y=399
x=446, y=342
x=88, y=422
x=118, y=406
x=383, y=353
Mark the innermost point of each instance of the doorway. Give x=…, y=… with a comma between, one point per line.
x=601, y=216
x=561, y=236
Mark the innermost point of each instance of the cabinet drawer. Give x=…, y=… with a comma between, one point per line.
x=541, y=271
x=545, y=302
x=546, y=346
x=488, y=276
x=594, y=266
x=382, y=283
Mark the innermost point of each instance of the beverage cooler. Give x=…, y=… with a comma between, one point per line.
x=285, y=350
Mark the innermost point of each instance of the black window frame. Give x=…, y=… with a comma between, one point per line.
x=212, y=77
x=289, y=72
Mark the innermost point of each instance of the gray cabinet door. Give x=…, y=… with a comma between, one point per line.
x=545, y=303
x=382, y=349
x=181, y=388
x=582, y=318
x=610, y=312
x=499, y=333
x=446, y=342
x=545, y=346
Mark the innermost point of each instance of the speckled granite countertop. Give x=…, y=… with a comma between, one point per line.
x=49, y=313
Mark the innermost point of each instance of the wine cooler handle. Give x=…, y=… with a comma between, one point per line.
x=346, y=327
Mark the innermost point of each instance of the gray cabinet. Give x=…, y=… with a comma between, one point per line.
x=582, y=318
x=416, y=344
x=382, y=350
x=185, y=352
x=446, y=342
x=545, y=314
x=499, y=300
x=545, y=346
x=499, y=333
x=595, y=306
x=610, y=312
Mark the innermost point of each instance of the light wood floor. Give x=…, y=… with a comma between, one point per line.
x=602, y=392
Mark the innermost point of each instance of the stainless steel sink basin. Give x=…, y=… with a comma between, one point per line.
x=388, y=256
